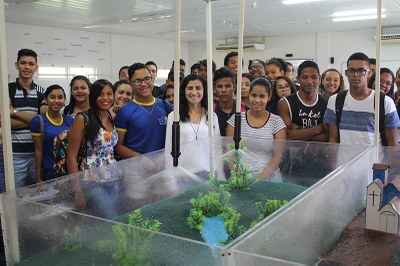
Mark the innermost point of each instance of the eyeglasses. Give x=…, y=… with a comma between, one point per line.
x=283, y=88
x=386, y=82
x=254, y=68
x=360, y=71
x=139, y=82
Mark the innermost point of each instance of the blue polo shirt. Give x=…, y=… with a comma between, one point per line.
x=144, y=124
x=51, y=130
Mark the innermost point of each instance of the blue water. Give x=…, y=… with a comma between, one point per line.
x=213, y=231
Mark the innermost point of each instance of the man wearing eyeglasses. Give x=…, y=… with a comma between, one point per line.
x=357, y=119
x=141, y=123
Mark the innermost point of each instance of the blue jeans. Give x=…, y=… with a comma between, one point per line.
x=24, y=169
x=102, y=199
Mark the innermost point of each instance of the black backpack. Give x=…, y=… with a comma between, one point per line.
x=339, y=107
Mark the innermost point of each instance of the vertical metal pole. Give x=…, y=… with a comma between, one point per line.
x=238, y=121
x=240, y=58
x=175, y=126
x=5, y=110
x=377, y=72
x=209, y=68
x=8, y=222
x=177, y=56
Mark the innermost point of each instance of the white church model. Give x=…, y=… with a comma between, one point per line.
x=383, y=201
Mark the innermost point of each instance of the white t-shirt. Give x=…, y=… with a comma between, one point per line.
x=194, y=157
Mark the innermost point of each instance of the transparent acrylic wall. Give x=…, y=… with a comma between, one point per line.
x=309, y=227
x=47, y=227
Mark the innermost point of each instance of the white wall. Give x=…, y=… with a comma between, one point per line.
x=106, y=52
x=319, y=47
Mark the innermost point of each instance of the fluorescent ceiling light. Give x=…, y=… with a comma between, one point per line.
x=353, y=18
x=173, y=32
x=151, y=17
x=291, y=2
x=286, y=23
x=100, y=24
x=349, y=13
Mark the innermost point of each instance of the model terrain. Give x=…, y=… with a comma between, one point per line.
x=372, y=237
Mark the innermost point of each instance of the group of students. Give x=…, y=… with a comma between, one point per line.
x=103, y=119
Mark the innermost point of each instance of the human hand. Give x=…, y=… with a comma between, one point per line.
x=294, y=126
x=80, y=200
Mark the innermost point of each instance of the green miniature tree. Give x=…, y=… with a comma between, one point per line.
x=72, y=239
x=129, y=245
x=231, y=225
x=240, y=175
x=215, y=203
x=268, y=208
x=196, y=219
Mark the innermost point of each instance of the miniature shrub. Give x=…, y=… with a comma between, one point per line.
x=71, y=240
x=232, y=226
x=211, y=204
x=196, y=219
x=129, y=245
x=215, y=203
x=240, y=175
x=270, y=206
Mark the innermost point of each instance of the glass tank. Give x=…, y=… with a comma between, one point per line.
x=139, y=211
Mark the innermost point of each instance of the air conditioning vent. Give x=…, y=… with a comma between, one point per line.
x=255, y=46
x=390, y=38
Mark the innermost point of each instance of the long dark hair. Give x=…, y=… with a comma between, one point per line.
x=94, y=122
x=70, y=107
x=272, y=105
x=183, y=102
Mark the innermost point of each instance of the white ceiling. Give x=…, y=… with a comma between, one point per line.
x=262, y=17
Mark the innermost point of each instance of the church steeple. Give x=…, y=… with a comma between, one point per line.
x=380, y=171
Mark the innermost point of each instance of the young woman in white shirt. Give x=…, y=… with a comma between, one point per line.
x=193, y=113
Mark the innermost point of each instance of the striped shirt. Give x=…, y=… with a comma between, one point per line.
x=273, y=125
x=25, y=102
x=358, y=118
x=260, y=151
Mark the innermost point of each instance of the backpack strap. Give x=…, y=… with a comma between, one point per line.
x=166, y=106
x=12, y=90
x=82, y=154
x=341, y=96
x=41, y=128
x=382, y=118
x=339, y=107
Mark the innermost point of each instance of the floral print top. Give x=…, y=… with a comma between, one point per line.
x=103, y=151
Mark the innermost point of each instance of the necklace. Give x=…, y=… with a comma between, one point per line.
x=147, y=112
x=153, y=103
x=196, y=131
